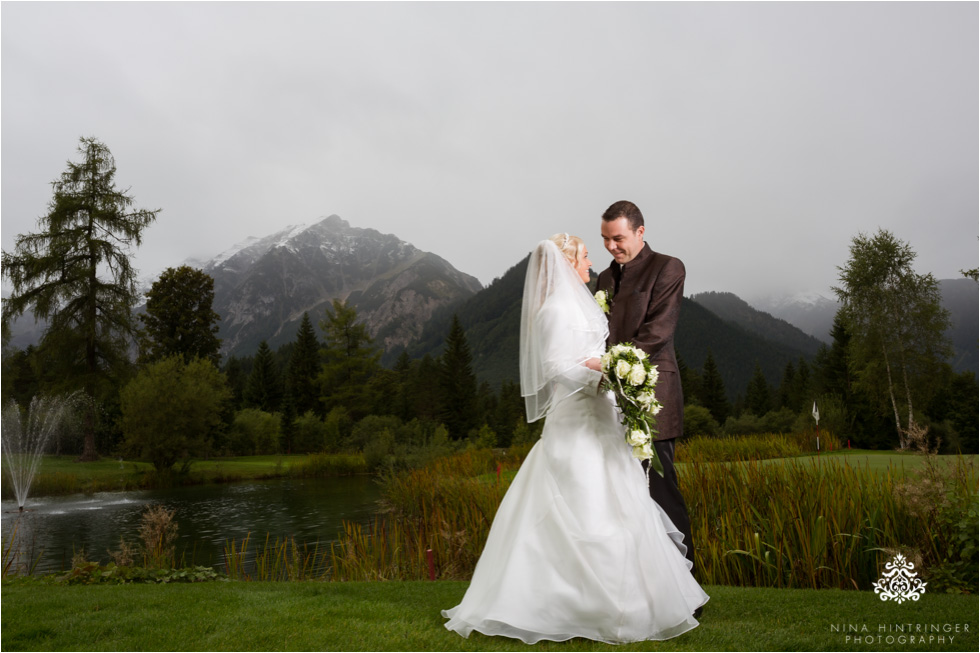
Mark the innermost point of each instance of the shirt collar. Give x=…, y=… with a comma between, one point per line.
x=642, y=255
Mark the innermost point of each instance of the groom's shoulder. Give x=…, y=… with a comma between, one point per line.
x=665, y=262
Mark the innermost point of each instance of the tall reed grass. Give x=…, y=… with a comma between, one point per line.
x=281, y=559
x=795, y=523
x=446, y=508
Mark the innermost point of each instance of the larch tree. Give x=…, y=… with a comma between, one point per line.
x=75, y=273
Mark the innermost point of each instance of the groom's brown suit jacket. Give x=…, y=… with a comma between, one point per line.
x=646, y=301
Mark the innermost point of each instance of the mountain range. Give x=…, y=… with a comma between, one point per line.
x=263, y=286
x=407, y=298
x=814, y=314
x=491, y=320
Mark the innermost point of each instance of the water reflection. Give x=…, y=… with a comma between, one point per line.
x=309, y=510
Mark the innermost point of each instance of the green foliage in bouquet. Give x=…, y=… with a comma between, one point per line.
x=632, y=378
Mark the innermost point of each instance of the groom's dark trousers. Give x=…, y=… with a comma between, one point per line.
x=646, y=300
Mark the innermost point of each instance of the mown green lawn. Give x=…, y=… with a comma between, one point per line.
x=59, y=475
x=109, y=467
x=878, y=460
x=405, y=616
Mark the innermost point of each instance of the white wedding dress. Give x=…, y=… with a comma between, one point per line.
x=577, y=547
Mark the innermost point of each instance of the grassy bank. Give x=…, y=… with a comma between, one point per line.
x=60, y=475
x=405, y=616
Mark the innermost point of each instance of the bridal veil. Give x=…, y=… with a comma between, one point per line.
x=562, y=326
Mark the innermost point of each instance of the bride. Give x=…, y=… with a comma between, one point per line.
x=577, y=548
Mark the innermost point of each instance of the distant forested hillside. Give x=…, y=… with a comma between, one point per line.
x=492, y=321
x=492, y=317
x=732, y=308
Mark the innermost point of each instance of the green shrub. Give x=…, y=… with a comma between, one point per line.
x=777, y=421
x=366, y=430
x=379, y=450
x=337, y=427
x=699, y=421
x=92, y=573
x=327, y=464
x=309, y=433
x=483, y=438
x=254, y=432
x=744, y=424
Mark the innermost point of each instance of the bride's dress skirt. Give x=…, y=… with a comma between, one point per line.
x=577, y=547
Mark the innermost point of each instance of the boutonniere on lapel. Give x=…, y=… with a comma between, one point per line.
x=604, y=299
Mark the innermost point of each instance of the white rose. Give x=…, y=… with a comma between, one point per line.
x=637, y=374
x=606, y=359
x=645, y=398
x=642, y=355
x=643, y=452
x=602, y=300
x=622, y=369
x=655, y=408
x=637, y=438
x=653, y=376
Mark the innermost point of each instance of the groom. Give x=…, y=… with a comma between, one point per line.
x=646, y=288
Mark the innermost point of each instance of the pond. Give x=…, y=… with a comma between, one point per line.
x=208, y=516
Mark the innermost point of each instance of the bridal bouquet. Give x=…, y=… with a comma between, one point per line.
x=632, y=377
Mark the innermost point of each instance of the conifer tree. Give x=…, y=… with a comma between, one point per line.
x=785, y=394
x=237, y=380
x=690, y=381
x=402, y=400
x=425, y=389
x=833, y=369
x=458, y=384
x=758, y=398
x=713, y=395
x=802, y=390
x=304, y=367
x=287, y=422
x=350, y=361
x=264, y=387
x=76, y=274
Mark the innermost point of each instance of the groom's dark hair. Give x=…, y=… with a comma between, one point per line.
x=624, y=209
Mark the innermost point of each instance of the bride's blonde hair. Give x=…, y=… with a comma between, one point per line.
x=570, y=246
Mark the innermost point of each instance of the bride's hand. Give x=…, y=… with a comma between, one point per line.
x=593, y=364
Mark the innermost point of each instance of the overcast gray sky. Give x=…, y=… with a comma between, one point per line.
x=756, y=138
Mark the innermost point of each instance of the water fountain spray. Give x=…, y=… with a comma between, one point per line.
x=23, y=444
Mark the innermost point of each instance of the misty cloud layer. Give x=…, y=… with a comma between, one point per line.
x=758, y=138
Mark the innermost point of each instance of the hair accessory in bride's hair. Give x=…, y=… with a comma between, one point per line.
x=564, y=241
